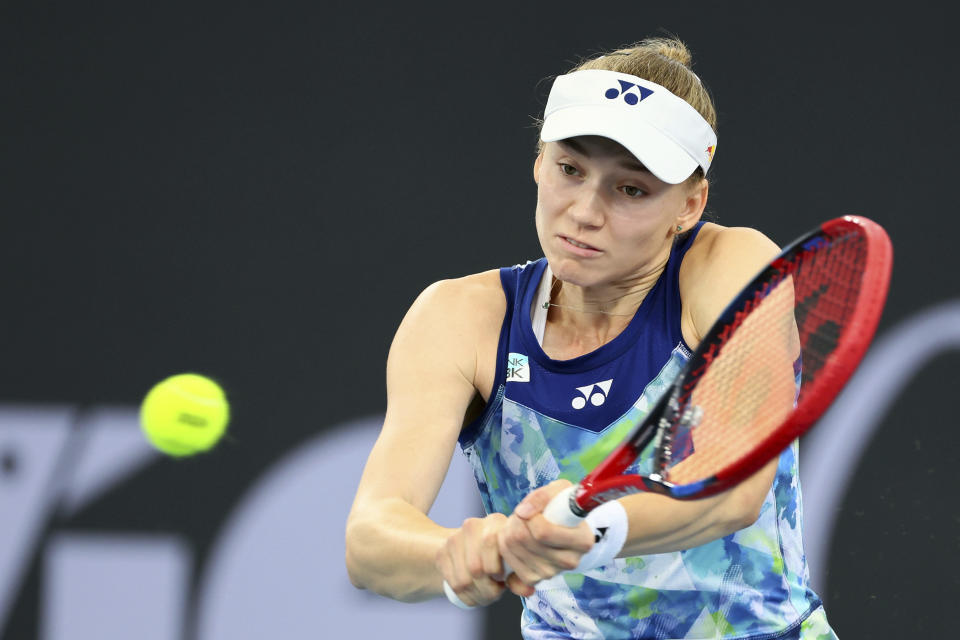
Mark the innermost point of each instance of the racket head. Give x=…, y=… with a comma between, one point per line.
x=765, y=372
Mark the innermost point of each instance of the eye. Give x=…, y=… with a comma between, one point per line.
x=632, y=192
x=568, y=169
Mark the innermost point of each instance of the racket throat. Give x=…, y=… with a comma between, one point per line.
x=667, y=429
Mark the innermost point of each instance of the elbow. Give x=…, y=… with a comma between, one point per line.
x=748, y=516
x=352, y=572
x=353, y=561
x=743, y=513
x=744, y=503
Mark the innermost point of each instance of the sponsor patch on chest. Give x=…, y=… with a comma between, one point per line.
x=518, y=368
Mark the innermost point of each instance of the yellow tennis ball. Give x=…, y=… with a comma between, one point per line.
x=184, y=414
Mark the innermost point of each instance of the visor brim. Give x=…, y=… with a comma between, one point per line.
x=665, y=159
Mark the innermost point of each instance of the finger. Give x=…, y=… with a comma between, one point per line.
x=548, y=534
x=537, y=500
x=542, y=566
x=506, y=538
x=529, y=547
x=522, y=553
x=561, y=561
x=473, y=554
x=459, y=577
x=488, y=590
x=478, y=594
x=490, y=557
x=519, y=587
x=453, y=597
x=465, y=565
x=491, y=562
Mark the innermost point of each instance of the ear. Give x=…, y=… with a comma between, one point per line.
x=694, y=204
x=536, y=167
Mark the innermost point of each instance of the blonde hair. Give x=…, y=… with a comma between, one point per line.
x=665, y=61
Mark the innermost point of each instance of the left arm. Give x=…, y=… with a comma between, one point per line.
x=715, y=269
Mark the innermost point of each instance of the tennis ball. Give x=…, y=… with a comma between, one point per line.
x=184, y=414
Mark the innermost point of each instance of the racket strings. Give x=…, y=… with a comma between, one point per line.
x=827, y=293
x=751, y=383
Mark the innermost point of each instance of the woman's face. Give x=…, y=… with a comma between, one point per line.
x=602, y=217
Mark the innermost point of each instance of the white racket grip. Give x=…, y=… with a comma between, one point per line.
x=558, y=510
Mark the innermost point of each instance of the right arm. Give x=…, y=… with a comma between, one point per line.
x=439, y=357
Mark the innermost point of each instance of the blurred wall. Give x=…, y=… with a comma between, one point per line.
x=258, y=192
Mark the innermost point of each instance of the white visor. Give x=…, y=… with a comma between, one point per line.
x=663, y=131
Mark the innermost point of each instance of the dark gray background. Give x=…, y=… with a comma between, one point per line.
x=258, y=191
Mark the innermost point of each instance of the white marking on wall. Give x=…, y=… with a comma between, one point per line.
x=832, y=450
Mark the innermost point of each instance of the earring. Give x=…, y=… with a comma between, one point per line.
x=679, y=228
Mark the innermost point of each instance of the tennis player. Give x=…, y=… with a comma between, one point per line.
x=525, y=366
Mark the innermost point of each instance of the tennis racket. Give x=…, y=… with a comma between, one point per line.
x=764, y=373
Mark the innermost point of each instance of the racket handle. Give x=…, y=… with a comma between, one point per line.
x=558, y=510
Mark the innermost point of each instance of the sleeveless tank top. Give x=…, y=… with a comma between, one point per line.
x=750, y=584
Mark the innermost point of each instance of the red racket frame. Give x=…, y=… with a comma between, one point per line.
x=605, y=482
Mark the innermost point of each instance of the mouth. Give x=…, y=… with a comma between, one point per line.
x=578, y=248
x=582, y=246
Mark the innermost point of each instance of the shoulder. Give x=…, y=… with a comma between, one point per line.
x=470, y=299
x=453, y=323
x=718, y=243
x=720, y=263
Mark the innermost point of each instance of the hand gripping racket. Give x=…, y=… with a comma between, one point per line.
x=764, y=373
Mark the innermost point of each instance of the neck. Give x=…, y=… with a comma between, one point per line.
x=581, y=320
x=620, y=299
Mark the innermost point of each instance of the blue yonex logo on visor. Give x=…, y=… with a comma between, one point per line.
x=632, y=93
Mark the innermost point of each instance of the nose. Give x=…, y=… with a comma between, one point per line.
x=588, y=208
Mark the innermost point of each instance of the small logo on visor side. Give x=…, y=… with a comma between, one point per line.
x=632, y=93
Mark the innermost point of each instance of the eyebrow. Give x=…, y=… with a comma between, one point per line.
x=627, y=163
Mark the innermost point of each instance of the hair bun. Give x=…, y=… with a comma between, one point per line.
x=671, y=49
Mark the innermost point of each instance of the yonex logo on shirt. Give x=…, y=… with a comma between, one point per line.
x=596, y=393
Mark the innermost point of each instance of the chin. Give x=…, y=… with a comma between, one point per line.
x=572, y=272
